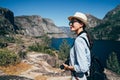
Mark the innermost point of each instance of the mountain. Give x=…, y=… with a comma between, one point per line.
x=27, y=25
x=6, y=21
x=93, y=21
x=67, y=31
x=114, y=13
x=109, y=28
x=37, y=26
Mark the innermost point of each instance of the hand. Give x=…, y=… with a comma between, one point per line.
x=66, y=67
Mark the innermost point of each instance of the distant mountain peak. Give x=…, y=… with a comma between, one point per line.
x=112, y=12
x=92, y=20
x=118, y=6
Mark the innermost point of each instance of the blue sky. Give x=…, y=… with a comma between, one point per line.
x=59, y=10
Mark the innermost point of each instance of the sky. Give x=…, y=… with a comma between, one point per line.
x=59, y=10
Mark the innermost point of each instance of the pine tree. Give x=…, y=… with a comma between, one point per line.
x=112, y=63
x=64, y=49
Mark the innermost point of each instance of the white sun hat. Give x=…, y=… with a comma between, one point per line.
x=80, y=16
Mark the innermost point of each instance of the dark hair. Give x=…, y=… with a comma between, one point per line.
x=89, y=39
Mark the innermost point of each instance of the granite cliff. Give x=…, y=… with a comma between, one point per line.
x=38, y=26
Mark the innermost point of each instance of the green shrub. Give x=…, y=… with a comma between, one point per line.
x=113, y=63
x=8, y=58
x=37, y=47
x=22, y=54
x=64, y=50
x=43, y=47
x=50, y=52
x=10, y=39
x=4, y=40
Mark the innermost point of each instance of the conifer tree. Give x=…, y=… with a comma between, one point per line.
x=64, y=49
x=112, y=63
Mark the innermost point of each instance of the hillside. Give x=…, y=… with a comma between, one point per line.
x=109, y=28
x=6, y=21
x=92, y=21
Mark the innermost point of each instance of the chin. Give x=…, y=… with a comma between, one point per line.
x=72, y=29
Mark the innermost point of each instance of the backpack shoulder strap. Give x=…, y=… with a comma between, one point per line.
x=86, y=42
x=92, y=54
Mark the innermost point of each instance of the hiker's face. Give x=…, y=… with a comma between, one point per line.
x=75, y=25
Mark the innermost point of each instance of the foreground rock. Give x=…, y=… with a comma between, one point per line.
x=111, y=75
x=42, y=70
x=40, y=67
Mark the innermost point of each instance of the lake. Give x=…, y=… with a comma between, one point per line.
x=102, y=48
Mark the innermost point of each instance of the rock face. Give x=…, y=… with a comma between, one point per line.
x=7, y=14
x=6, y=21
x=42, y=65
x=28, y=25
x=92, y=21
x=67, y=31
x=38, y=26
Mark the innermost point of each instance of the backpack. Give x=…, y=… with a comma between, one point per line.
x=96, y=67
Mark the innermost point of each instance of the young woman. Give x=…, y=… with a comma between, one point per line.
x=79, y=53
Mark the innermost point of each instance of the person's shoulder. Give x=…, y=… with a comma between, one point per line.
x=78, y=40
x=83, y=35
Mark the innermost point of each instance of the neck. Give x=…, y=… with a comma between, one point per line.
x=79, y=30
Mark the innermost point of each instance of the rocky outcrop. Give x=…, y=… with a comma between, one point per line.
x=111, y=75
x=38, y=26
x=93, y=21
x=6, y=13
x=68, y=31
x=41, y=65
x=13, y=77
x=6, y=21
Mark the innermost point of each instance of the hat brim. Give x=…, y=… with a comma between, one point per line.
x=71, y=17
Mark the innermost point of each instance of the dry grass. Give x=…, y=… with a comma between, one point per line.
x=15, y=69
x=40, y=77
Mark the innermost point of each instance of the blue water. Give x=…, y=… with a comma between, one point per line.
x=56, y=42
x=101, y=48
